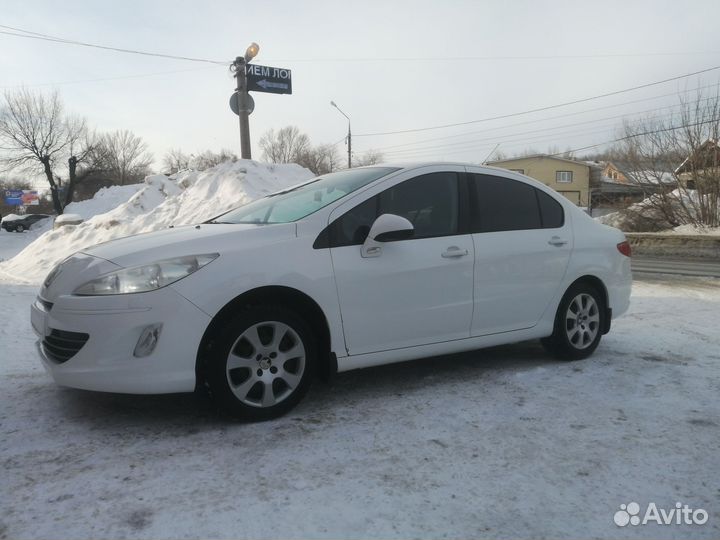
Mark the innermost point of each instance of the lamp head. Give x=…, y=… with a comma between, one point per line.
x=251, y=51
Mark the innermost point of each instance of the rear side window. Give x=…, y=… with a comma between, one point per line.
x=429, y=202
x=551, y=211
x=503, y=204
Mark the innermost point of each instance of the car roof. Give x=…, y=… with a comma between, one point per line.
x=419, y=164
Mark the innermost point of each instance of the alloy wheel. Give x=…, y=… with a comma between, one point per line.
x=266, y=364
x=582, y=321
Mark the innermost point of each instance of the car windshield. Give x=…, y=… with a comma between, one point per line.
x=301, y=201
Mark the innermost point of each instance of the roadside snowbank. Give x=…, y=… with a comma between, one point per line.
x=648, y=215
x=161, y=201
x=691, y=229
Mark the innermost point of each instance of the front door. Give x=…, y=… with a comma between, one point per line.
x=417, y=291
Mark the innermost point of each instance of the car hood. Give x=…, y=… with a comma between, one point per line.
x=189, y=240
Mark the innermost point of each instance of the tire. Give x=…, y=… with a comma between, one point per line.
x=262, y=363
x=579, y=321
x=19, y=228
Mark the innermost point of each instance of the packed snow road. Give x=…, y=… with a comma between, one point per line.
x=503, y=442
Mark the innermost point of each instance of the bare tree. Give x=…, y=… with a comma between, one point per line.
x=175, y=160
x=85, y=159
x=15, y=183
x=208, y=158
x=123, y=156
x=677, y=160
x=320, y=159
x=36, y=136
x=371, y=157
x=288, y=145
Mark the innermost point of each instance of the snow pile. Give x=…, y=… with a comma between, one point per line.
x=648, y=216
x=614, y=219
x=185, y=198
x=12, y=217
x=104, y=200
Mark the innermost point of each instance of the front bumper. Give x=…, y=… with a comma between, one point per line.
x=114, y=324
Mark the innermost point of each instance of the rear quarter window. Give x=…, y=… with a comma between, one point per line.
x=551, y=211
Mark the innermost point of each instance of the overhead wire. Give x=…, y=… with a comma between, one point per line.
x=635, y=135
x=515, y=142
x=540, y=109
x=492, y=58
x=105, y=79
x=498, y=137
x=535, y=121
x=20, y=32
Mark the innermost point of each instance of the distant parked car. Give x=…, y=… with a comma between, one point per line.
x=67, y=219
x=21, y=223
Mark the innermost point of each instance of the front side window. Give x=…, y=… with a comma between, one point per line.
x=429, y=202
x=301, y=201
x=563, y=177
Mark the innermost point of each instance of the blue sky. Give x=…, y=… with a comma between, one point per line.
x=348, y=52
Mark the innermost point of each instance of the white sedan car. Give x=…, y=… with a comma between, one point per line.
x=352, y=269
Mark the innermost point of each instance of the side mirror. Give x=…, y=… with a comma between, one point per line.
x=386, y=228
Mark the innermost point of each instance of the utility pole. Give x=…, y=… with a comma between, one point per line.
x=242, y=98
x=349, y=139
x=349, y=135
x=243, y=114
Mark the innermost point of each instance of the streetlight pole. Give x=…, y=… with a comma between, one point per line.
x=243, y=112
x=349, y=135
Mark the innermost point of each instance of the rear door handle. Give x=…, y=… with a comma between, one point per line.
x=454, y=251
x=557, y=241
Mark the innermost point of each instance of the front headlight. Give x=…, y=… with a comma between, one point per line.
x=147, y=277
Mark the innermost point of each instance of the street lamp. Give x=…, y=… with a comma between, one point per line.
x=242, y=98
x=251, y=51
x=349, y=135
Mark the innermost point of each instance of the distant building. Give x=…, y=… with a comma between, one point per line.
x=568, y=177
x=607, y=171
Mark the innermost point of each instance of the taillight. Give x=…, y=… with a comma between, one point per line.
x=624, y=248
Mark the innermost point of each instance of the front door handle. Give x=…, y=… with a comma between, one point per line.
x=557, y=241
x=454, y=251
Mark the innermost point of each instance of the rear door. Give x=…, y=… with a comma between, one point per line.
x=522, y=248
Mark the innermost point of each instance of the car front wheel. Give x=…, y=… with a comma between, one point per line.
x=578, y=324
x=19, y=228
x=262, y=363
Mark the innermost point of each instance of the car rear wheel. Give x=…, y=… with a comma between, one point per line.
x=262, y=363
x=579, y=322
x=19, y=228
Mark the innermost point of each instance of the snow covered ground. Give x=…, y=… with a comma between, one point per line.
x=503, y=442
